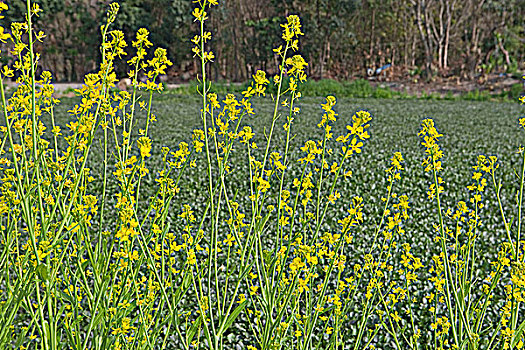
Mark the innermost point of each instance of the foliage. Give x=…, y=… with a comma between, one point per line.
x=71, y=48
x=236, y=231
x=359, y=88
x=462, y=38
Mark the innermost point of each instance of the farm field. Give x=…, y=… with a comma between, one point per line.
x=469, y=129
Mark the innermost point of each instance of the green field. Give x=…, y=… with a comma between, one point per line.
x=469, y=128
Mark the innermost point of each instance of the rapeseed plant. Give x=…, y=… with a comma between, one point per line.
x=88, y=260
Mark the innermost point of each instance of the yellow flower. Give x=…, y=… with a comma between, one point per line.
x=355, y=146
x=144, y=144
x=292, y=28
x=296, y=64
x=242, y=299
x=192, y=259
x=296, y=265
x=229, y=240
x=246, y=134
x=260, y=78
x=395, y=316
x=334, y=197
x=208, y=56
x=3, y=36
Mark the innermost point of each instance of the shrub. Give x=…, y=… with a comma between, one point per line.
x=360, y=88
x=383, y=93
x=516, y=91
x=95, y=255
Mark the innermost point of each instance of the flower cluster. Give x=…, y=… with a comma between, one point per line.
x=352, y=142
x=100, y=254
x=430, y=137
x=200, y=15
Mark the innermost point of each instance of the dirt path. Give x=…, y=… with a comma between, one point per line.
x=492, y=83
x=65, y=88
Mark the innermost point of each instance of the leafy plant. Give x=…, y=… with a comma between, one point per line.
x=124, y=252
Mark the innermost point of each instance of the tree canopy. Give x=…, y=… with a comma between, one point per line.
x=344, y=38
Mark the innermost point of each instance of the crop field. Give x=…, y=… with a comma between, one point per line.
x=469, y=128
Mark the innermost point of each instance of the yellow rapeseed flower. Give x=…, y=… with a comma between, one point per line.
x=144, y=144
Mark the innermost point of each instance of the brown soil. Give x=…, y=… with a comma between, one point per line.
x=492, y=83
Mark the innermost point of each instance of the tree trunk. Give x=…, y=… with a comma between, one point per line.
x=372, y=31
x=448, y=10
x=424, y=32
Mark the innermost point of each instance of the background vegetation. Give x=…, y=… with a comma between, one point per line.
x=345, y=38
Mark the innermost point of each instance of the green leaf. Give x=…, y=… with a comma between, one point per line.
x=517, y=335
x=267, y=256
x=183, y=288
x=43, y=272
x=66, y=296
x=233, y=316
x=194, y=329
x=98, y=318
x=186, y=281
x=464, y=343
x=245, y=272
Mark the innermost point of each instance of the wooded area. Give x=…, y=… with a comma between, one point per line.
x=343, y=38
